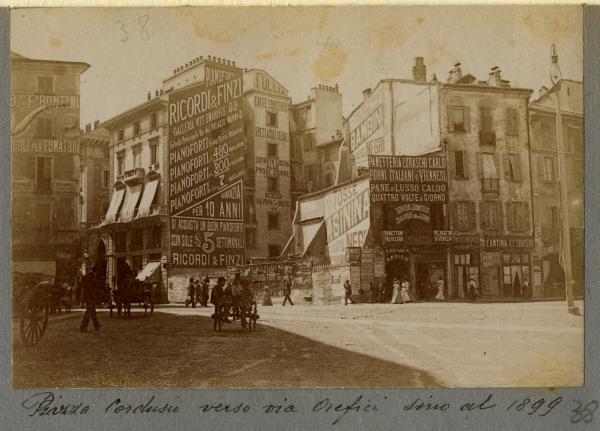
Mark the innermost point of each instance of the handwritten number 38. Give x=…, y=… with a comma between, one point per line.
x=584, y=413
x=142, y=21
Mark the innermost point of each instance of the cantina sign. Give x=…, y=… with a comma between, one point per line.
x=206, y=167
x=504, y=242
x=408, y=179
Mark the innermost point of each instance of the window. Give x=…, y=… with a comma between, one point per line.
x=460, y=165
x=105, y=179
x=546, y=168
x=488, y=168
x=136, y=239
x=512, y=122
x=121, y=135
x=250, y=238
x=548, y=135
x=517, y=215
x=485, y=119
x=120, y=162
x=550, y=229
x=153, y=151
x=136, y=128
x=458, y=118
x=153, y=120
x=120, y=241
x=512, y=167
x=250, y=209
x=272, y=184
x=43, y=170
x=271, y=119
x=272, y=150
x=46, y=128
x=463, y=215
x=573, y=140
x=155, y=237
x=137, y=156
x=273, y=221
x=490, y=215
x=309, y=142
x=46, y=84
x=274, y=250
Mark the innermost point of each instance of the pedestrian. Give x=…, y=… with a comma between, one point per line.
x=267, y=302
x=191, y=293
x=89, y=290
x=380, y=292
x=472, y=289
x=405, y=291
x=440, y=290
x=348, y=293
x=372, y=293
x=288, y=291
x=204, y=289
x=396, y=296
x=218, y=293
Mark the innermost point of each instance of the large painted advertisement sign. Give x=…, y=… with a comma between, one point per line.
x=206, y=170
x=409, y=185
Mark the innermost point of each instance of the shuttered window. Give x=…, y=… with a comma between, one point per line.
x=485, y=119
x=458, y=119
x=463, y=215
x=512, y=167
x=517, y=216
x=490, y=216
x=512, y=122
x=46, y=128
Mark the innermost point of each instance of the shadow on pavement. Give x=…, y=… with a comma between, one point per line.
x=170, y=351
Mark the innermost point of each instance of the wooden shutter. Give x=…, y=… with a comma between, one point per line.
x=526, y=216
x=517, y=167
x=467, y=119
x=479, y=166
x=472, y=217
x=454, y=209
x=484, y=215
x=450, y=120
x=499, y=214
x=541, y=168
x=452, y=164
x=497, y=164
x=506, y=166
x=509, y=216
x=465, y=164
x=52, y=127
x=555, y=170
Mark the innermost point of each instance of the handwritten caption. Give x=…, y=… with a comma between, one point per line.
x=335, y=411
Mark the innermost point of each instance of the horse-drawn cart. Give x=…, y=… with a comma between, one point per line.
x=244, y=311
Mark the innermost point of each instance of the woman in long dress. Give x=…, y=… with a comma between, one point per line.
x=440, y=292
x=396, y=296
x=267, y=297
x=405, y=291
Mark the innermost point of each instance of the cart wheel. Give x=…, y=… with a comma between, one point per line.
x=34, y=318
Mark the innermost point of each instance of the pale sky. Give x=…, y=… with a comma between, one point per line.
x=132, y=50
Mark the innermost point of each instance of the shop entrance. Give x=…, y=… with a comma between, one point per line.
x=395, y=268
x=466, y=265
x=427, y=276
x=515, y=270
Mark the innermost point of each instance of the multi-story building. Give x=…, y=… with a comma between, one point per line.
x=133, y=231
x=267, y=137
x=45, y=165
x=449, y=189
x=545, y=180
x=313, y=123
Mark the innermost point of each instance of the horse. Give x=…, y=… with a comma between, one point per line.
x=131, y=291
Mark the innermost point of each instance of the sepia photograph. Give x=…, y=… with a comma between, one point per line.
x=297, y=197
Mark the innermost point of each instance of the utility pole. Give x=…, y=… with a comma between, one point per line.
x=565, y=242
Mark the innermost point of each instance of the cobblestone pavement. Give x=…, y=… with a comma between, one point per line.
x=366, y=345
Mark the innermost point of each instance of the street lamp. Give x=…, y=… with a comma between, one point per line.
x=565, y=243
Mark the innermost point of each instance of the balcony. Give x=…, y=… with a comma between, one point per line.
x=487, y=138
x=490, y=185
x=133, y=176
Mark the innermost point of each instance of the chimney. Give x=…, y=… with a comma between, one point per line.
x=156, y=93
x=543, y=91
x=419, y=70
x=366, y=93
x=494, y=79
x=455, y=74
x=149, y=95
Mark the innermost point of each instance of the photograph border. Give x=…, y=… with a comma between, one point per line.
x=391, y=402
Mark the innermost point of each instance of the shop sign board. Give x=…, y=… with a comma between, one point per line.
x=508, y=242
x=206, y=170
x=353, y=256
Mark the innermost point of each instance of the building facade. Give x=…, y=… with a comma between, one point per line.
x=546, y=192
x=45, y=165
x=447, y=191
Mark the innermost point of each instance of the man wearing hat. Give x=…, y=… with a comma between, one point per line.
x=472, y=288
x=89, y=286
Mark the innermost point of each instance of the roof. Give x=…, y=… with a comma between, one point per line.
x=556, y=87
x=135, y=112
x=333, y=187
x=18, y=58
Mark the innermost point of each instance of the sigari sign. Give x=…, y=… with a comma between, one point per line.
x=206, y=170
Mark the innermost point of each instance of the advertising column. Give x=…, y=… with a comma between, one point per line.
x=206, y=170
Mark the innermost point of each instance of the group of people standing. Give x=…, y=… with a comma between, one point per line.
x=198, y=292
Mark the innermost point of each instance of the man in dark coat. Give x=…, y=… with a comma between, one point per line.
x=348, y=293
x=288, y=291
x=89, y=288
